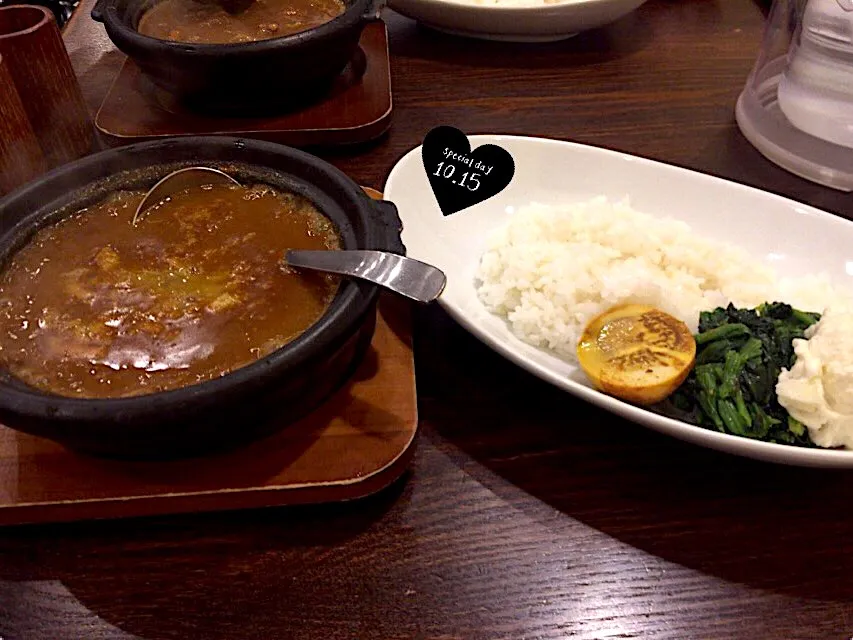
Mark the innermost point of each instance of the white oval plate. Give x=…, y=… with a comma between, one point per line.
x=533, y=23
x=797, y=239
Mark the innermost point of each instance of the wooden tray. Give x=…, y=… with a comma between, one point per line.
x=357, y=443
x=357, y=109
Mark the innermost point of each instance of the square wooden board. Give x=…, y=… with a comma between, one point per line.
x=357, y=109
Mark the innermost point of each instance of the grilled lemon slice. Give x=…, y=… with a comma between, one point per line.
x=637, y=353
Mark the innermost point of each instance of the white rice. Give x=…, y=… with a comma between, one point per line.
x=551, y=269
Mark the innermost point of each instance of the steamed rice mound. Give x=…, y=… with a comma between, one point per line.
x=551, y=269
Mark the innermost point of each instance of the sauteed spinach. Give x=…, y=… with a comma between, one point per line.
x=732, y=388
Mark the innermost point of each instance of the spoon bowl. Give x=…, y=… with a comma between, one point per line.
x=178, y=181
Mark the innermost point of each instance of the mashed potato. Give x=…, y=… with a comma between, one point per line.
x=818, y=390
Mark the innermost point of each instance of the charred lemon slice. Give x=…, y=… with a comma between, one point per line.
x=637, y=352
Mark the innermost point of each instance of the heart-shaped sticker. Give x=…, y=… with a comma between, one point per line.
x=460, y=177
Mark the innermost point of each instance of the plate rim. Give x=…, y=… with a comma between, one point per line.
x=559, y=6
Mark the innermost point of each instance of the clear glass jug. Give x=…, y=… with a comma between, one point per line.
x=797, y=105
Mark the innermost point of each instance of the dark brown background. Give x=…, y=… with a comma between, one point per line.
x=528, y=514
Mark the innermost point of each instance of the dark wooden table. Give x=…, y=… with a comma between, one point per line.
x=527, y=514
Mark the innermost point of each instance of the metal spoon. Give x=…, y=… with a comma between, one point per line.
x=406, y=276
x=181, y=180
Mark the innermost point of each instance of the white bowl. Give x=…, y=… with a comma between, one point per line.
x=514, y=23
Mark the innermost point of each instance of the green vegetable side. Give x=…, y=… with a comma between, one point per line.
x=739, y=356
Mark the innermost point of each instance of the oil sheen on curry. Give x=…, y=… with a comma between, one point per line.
x=95, y=307
x=209, y=21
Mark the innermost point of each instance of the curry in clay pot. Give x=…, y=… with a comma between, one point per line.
x=97, y=307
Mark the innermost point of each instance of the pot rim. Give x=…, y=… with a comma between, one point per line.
x=107, y=11
x=350, y=303
x=46, y=17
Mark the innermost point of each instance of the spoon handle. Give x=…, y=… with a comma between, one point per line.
x=408, y=277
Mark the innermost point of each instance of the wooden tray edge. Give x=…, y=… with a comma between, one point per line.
x=214, y=500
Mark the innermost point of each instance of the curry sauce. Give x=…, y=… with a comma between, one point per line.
x=94, y=306
x=208, y=21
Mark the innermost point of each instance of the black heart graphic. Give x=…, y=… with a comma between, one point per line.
x=459, y=177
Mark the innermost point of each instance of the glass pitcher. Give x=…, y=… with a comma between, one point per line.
x=797, y=105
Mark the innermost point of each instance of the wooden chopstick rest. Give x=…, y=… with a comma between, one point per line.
x=36, y=58
x=21, y=158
